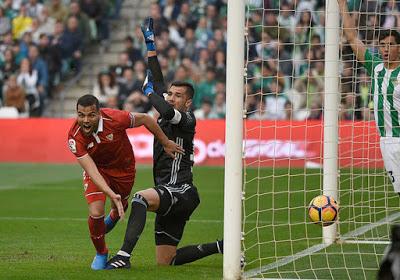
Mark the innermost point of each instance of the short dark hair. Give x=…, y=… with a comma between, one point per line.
x=189, y=87
x=389, y=32
x=88, y=100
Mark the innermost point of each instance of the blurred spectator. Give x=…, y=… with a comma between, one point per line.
x=189, y=47
x=170, y=10
x=185, y=19
x=6, y=42
x=14, y=95
x=202, y=33
x=133, y=53
x=212, y=17
x=52, y=57
x=204, y=110
x=160, y=22
x=57, y=10
x=46, y=22
x=139, y=70
x=174, y=35
x=8, y=65
x=391, y=14
x=315, y=111
x=9, y=10
x=219, y=107
x=38, y=64
x=206, y=88
x=5, y=23
x=127, y=85
x=83, y=21
x=275, y=102
x=260, y=112
x=104, y=87
x=203, y=61
x=118, y=69
x=97, y=11
x=286, y=18
x=137, y=102
x=70, y=44
x=347, y=106
x=24, y=43
x=21, y=23
x=28, y=79
x=34, y=8
x=173, y=57
x=112, y=102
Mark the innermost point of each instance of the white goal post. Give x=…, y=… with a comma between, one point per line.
x=234, y=140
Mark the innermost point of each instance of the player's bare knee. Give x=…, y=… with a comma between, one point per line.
x=151, y=197
x=96, y=209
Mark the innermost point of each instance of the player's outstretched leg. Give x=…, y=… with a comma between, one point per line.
x=136, y=223
x=192, y=253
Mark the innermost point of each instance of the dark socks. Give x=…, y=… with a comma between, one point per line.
x=136, y=223
x=192, y=253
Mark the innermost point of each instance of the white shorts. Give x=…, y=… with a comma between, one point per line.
x=390, y=149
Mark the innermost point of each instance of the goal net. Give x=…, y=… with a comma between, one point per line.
x=286, y=109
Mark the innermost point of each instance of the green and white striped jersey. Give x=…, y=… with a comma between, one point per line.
x=386, y=91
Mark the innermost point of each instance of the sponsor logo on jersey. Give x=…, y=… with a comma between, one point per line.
x=72, y=145
x=91, y=145
x=110, y=137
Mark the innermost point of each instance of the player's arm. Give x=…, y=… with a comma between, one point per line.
x=158, y=79
x=90, y=168
x=170, y=146
x=350, y=32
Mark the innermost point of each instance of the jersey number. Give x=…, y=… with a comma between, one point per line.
x=391, y=176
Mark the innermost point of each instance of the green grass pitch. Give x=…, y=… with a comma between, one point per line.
x=44, y=235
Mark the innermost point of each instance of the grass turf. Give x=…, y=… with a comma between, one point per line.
x=44, y=235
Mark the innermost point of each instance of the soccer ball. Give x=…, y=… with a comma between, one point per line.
x=323, y=210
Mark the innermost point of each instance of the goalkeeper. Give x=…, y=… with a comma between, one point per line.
x=174, y=197
x=385, y=75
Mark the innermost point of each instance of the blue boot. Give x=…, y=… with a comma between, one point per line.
x=99, y=261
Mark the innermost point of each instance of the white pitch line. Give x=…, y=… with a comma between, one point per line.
x=85, y=219
x=319, y=247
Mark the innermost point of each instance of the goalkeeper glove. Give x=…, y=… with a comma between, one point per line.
x=148, y=33
x=148, y=84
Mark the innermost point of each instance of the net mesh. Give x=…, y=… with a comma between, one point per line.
x=283, y=130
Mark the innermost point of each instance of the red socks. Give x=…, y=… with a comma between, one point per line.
x=97, y=230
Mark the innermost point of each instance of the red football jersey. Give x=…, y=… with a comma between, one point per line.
x=109, y=147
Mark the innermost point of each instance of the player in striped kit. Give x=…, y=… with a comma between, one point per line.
x=385, y=87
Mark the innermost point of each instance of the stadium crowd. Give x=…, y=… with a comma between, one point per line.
x=42, y=44
x=285, y=54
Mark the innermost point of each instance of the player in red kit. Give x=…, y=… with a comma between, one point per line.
x=99, y=141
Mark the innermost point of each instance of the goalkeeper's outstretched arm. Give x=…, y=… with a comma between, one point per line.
x=158, y=79
x=350, y=32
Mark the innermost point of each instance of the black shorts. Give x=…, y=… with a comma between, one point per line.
x=177, y=203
